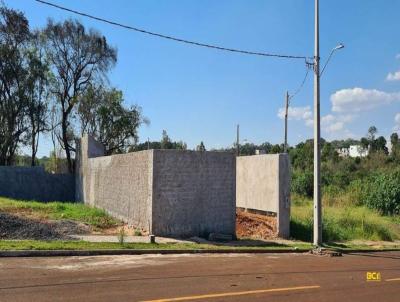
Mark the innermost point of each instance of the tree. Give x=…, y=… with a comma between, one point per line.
x=380, y=145
x=365, y=143
x=37, y=93
x=201, y=147
x=165, y=141
x=14, y=39
x=372, y=131
x=103, y=116
x=394, y=139
x=77, y=57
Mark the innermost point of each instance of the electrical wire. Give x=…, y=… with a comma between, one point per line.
x=308, y=67
x=247, y=52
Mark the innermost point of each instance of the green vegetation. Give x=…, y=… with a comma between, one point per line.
x=60, y=210
x=83, y=245
x=342, y=223
x=357, y=193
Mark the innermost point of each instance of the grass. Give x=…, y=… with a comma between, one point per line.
x=343, y=223
x=83, y=245
x=60, y=210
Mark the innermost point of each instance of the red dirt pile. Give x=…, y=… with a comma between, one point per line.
x=249, y=225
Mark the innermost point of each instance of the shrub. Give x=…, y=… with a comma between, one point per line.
x=121, y=235
x=382, y=192
x=302, y=183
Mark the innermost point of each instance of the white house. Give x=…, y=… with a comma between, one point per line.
x=353, y=151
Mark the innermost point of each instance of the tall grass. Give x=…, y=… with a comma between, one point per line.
x=342, y=222
x=59, y=210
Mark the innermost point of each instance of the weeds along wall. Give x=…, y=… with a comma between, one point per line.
x=165, y=192
x=34, y=183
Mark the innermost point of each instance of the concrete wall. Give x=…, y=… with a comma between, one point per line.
x=120, y=184
x=166, y=192
x=263, y=184
x=193, y=193
x=34, y=183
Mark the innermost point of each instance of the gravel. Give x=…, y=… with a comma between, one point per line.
x=16, y=227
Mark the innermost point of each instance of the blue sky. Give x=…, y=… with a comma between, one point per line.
x=199, y=94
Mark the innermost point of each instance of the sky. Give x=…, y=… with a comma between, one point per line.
x=199, y=94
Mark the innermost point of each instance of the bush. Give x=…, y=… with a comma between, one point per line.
x=382, y=192
x=302, y=183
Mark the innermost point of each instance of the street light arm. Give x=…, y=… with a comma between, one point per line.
x=340, y=46
x=327, y=61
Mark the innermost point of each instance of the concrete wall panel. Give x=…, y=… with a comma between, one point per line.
x=194, y=193
x=34, y=183
x=263, y=184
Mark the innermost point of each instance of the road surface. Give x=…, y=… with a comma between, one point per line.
x=227, y=277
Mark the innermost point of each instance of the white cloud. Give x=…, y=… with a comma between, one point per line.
x=395, y=76
x=397, y=118
x=397, y=122
x=309, y=122
x=333, y=123
x=360, y=99
x=296, y=113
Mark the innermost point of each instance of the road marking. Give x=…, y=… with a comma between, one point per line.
x=394, y=279
x=250, y=292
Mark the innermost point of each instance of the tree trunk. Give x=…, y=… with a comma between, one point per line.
x=33, y=145
x=65, y=142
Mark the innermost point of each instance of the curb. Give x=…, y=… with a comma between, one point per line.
x=105, y=252
x=66, y=253
x=351, y=251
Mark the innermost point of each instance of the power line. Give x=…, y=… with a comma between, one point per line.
x=308, y=67
x=247, y=52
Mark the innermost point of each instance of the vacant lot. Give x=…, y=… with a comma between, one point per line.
x=343, y=223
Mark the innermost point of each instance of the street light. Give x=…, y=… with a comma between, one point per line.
x=317, y=130
x=339, y=46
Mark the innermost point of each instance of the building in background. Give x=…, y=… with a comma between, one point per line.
x=353, y=151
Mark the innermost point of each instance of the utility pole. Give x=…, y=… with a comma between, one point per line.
x=317, y=137
x=286, y=120
x=237, y=140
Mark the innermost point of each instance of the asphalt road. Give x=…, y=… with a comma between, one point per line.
x=246, y=277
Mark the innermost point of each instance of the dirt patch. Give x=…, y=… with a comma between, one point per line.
x=16, y=227
x=249, y=225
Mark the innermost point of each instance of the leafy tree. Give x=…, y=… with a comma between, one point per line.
x=103, y=116
x=37, y=93
x=165, y=141
x=365, y=143
x=328, y=152
x=201, y=147
x=78, y=57
x=372, y=131
x=14, y=39
x=394, y=139
x=380, y=145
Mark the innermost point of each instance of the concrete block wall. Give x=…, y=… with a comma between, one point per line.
x=263, y=184
x=34, y=183
x=119, y=184
x=193, y=193
x=166, y=192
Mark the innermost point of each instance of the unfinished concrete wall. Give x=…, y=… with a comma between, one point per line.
x=34, y=183
x=263, y=184
x=193, y=193
x=120, y=184
x=166, y=192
